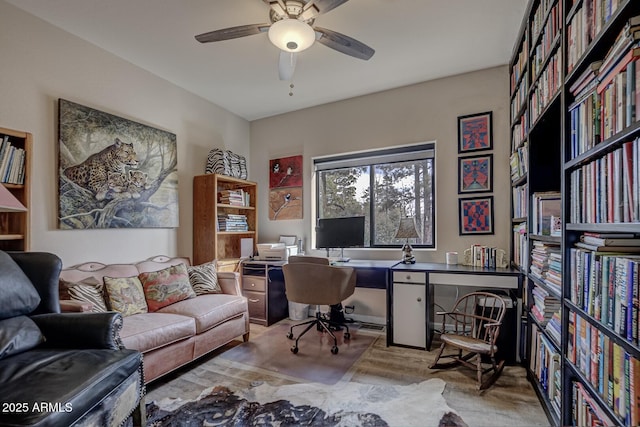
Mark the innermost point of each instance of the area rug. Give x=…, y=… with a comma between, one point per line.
x=311, y=404
x=314, y=362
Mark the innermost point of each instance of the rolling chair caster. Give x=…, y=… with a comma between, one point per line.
x=334, y=349
x=290, y=335
x=347, y=336
x=294, y=349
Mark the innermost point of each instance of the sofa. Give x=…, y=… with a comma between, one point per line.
x=168, y=335
x=60, y=369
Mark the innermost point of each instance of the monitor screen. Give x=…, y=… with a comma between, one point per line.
x=340, y=232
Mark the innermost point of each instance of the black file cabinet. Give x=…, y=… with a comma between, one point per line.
x=263, y=285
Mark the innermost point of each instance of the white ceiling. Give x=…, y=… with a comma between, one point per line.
x=415, y=41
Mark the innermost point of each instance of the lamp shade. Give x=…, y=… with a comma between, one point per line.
x=407, y=229
x=291, y=35
x=8, y=202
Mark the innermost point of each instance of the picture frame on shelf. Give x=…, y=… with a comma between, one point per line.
x=475, y=174
x=475, y=132
x=475, y=215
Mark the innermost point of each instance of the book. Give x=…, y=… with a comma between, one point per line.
x=608, y=249
x=609, y=241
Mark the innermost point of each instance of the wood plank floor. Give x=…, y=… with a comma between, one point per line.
x=511, y=401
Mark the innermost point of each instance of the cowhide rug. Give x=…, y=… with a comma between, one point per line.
x=349, y=404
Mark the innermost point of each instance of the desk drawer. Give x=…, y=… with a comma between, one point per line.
x=409, y=277
x=253, y=283
x=257, y=304
x=475, y=280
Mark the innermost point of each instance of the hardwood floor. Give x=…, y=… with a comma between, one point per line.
x=511, y=401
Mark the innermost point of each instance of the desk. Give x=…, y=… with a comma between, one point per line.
x=410, y=301
x=373, y=274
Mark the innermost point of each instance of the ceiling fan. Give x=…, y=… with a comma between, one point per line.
x=291, y=30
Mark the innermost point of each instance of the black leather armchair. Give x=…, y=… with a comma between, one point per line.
x=60, y=369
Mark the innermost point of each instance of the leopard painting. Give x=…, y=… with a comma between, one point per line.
x=137, y=183
x=117, y=182
x=92, y=174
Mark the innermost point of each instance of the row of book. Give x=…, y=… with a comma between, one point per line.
x=606, y=190
x=237, y=197
x=519, y=162
x=520, y=244
x=518, y=71
x=520, y=129
x=585, y=410
x=607, y=93
x=610, y=369
x=604, y=283
x=520, y=201
x=585, y=25
x=552, y=24
x=547, y=86
x=546, y=265
x=232, y=222
x=545, y=365
x=546, y=208
x=12, y=161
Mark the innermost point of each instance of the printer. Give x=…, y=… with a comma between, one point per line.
x=279, y=251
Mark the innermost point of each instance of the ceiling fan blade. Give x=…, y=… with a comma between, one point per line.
x=344, y=44
x=325, y=6
x=232, y=33
x=287, y=65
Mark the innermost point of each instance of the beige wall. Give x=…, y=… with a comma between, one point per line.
x=40, y=64
x=422, y=112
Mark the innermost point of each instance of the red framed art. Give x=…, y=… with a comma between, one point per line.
x=475, y=132
x=476, y=215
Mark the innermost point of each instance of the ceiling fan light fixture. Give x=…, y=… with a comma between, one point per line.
x=291, y=35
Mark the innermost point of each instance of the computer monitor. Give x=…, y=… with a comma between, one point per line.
x=340, y=233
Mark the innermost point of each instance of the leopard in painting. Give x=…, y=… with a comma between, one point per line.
x=117, y=182
x=92, y=174
x=137, y=183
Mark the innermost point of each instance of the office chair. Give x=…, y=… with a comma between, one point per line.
x=317, y=283
x=477, y=318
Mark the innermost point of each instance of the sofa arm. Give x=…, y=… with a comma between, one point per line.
x=73, y=306
x=229, y=281
x=81, y=330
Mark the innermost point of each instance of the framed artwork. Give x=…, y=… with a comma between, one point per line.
x=475, y=132
x=475, y=174
x=476, y=215
x=285, y=172
x=114, y=172
x=285, y=203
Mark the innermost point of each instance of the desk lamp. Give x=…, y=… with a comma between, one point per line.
x=407, y=230
x=8, y=202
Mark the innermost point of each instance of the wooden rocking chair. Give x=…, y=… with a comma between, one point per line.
x=477, y=318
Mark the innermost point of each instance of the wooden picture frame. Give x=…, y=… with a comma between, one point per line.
x=475, y=132
x=475, y=174
x=475, y=215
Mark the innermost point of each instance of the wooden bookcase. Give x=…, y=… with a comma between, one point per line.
x=210, y=240
x=556, y=148
x=15, y=226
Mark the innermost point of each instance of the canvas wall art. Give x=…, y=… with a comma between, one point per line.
x=475, y=174
x=285, y=203
x=114, y=172
x=285, y=172
x=475, y=132
x=476, y=215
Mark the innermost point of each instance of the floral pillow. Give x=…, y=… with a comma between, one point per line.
x=204, y=278
x=86, y=290
x=167, y=286
x=125, y=295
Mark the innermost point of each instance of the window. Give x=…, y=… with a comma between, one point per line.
x=384, y=186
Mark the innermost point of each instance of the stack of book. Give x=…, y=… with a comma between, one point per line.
x=232, y=222
x=11, y=163
x=540, y=257
x=234, y=197
x=544, y=305
x=553, y=328
x=610, y=242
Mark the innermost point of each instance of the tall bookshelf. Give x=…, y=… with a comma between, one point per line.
x=218, y=202
x=582, y=105
x=15, y=174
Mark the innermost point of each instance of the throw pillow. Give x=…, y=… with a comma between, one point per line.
x=18, y=334
x=125, y=295
x=204, y=278
x=86, y=290
x=164, y=287
x=17, y=294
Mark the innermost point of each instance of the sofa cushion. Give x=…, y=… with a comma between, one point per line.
x=73, y=380
x=87, y=290
x=17, y=294
x=166, y=286
x=18, y=334
x=148, y=331
x=125, y=295
x=209, y=310
x=204, y=278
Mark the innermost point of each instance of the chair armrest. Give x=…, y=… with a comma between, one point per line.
x=43, y=269
x=72, y=306
x=81, y=330
x=229, y=282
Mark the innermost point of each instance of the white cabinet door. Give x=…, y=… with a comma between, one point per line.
x=409, y=326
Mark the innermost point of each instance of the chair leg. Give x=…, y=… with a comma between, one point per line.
x=435, y=364
x=310, y=325
x=479, y=370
